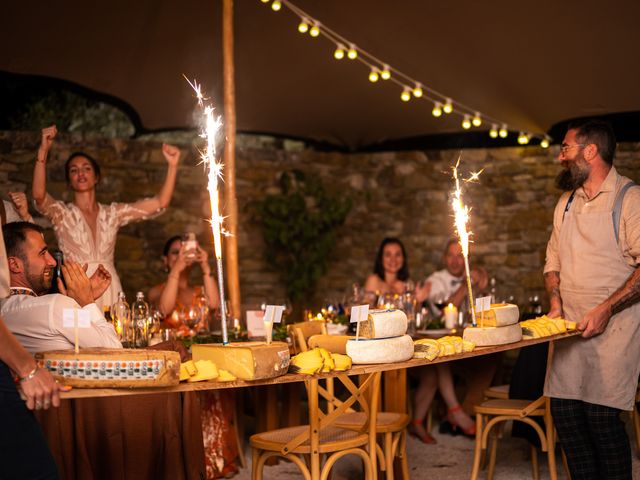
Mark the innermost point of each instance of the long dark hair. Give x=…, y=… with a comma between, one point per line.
x=92, y=161
x=167, y=245
x=378, y=268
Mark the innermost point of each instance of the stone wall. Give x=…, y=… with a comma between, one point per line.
x=403, y=194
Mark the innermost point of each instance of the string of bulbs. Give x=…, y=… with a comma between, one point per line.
x=410, y=88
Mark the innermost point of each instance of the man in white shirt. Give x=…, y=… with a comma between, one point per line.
x=37, y=319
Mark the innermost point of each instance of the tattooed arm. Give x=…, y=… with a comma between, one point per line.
x=552, y=285
x=596, y=320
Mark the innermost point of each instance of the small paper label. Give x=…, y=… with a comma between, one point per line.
x=70, y=315
x=255, y=324
x=483, y=304
x=273, y=313
x=359, y=313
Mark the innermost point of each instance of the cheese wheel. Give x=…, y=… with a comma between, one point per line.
x=485, y=336
x=112, y=367
x=381, y=350
x=384, y=324
x=500, y=315
x=332, y=343
x=246, y=360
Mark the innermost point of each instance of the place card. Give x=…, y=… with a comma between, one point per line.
x=273, y=313
x=483, y=304
x=358, y=314
x=72, y=315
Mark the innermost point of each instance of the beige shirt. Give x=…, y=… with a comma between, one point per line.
x=629, y=238
x=4, y=269
x=37, y=322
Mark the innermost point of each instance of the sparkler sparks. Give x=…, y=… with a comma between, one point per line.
x=214, y=175
x=461, y=212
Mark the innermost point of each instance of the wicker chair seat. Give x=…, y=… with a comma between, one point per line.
x=331, y=439
x=385, y=422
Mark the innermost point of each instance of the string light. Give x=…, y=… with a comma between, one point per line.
x=303, y=27
x=437, y=109
x=477, y=121
x=380, y=70
x=353, y=52
x=448, y=106
x=386, y=73
x=315, y=30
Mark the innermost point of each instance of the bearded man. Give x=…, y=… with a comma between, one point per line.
x=592, y=277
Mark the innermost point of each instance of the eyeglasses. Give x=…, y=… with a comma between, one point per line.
x=564, y=148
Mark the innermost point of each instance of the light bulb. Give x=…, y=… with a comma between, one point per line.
x=276, y=5
x=466, y=123
x=339, y=52
x=522, y=139
x=544, y=143
x=352, y=53
x=477, y=121
x=373, y=75
x=527, y=137
x=405, y=96
x=315, y=30
x=417, y=90
x=503, y=131
x=448, y=107
x=265, y=1
x=386, y=73
x=303, y=27
x=493, y=133
x=437, y=109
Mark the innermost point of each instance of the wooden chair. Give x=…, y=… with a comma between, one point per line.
x=495, y=411
x=390, y=426
x=497, y=391
x=300, y=333
x=306, y=445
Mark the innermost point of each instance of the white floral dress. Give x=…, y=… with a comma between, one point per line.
x=78, y=244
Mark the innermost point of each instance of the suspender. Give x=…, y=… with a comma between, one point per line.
x=617, y=208
x=615, y=213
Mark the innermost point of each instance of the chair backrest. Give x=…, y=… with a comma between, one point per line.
x=300, y=333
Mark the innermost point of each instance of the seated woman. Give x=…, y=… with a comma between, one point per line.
x=85, y=229
x=176, y=292
x=220, y=445
x=391, y=275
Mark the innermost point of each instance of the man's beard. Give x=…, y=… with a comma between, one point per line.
x=573, y=175
x=39, y=282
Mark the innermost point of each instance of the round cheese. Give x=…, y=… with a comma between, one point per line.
x=381, y=350
x=384, y=324
x=486, y=336
x=500, y=315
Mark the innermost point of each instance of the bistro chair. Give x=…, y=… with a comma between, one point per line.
x=315, y=448
x=391, y=427
x=301, y=331
x=497, y=391
x=493, y=412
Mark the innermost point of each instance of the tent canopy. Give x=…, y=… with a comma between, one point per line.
x=530, y=66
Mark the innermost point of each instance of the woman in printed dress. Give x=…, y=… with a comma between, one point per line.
x=86, y=230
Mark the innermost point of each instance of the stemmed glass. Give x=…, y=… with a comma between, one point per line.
x=192, y=318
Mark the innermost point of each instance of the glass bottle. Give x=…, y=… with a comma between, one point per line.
x=121, y=316
x=140, y=320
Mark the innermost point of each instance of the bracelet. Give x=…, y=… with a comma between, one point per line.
x=30, y=375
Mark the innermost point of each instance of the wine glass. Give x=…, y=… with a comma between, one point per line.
x=192, y=318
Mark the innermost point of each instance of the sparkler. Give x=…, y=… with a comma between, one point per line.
x=461, y=212
x=214, y=173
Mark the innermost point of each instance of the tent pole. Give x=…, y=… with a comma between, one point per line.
x=231, y=203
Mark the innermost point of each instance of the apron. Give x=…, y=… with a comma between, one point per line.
x=603, y=369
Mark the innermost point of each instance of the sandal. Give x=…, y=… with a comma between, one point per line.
x=423, y=437
x=469, y=431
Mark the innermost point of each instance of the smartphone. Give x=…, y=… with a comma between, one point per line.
x=190, y=245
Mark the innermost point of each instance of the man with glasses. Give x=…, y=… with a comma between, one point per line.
x=592, y=277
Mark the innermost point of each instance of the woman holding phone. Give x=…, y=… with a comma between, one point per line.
x=86, y=230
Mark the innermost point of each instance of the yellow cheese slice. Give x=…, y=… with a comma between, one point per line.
x=207, y=370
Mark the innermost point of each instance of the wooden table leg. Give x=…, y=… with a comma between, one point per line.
x=395, y=400
x=292, y=399
x=266, y=408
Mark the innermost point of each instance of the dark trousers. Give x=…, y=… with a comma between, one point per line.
x=24, y=453
x=594, y=439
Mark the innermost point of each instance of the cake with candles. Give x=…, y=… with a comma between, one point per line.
x=497, y=326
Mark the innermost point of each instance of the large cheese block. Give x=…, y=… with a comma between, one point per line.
x=246, y=360
x=500, y=315
x=332, y=343
x=383, y=324
x=486, y=336
x=112, y=367
x=380, y=350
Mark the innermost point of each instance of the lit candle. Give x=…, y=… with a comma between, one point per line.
x=450, y=316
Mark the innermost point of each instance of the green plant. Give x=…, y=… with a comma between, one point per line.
x=300, y=226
